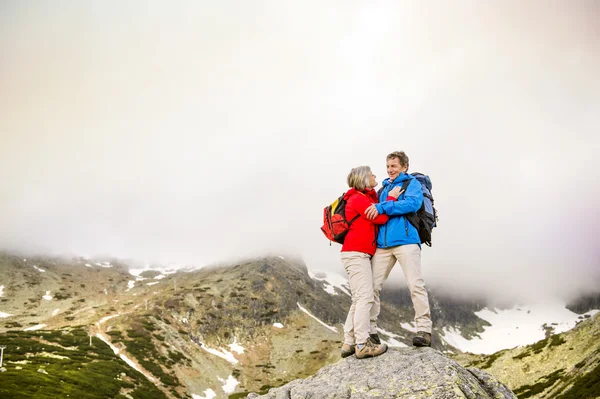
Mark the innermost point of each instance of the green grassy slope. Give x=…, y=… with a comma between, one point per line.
x=61, y=363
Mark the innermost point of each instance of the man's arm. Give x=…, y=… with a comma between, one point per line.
x=413, y=199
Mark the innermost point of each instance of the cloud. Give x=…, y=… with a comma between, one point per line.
x=202, y=132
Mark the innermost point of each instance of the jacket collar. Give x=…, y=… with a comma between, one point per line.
x=352, y=191
x=401, y=177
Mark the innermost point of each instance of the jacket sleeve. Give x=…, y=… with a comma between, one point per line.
x=361, y=203
x=413, y=199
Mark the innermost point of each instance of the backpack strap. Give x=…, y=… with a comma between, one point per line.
x=357, y=214
x=403, y=188
x=405, y=184
x=353, y=219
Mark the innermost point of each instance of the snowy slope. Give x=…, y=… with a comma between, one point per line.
x=518, y=326
x=331, y=280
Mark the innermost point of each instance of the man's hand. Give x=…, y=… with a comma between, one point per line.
x=371, y=212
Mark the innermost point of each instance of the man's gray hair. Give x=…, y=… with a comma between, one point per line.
x=359, y=177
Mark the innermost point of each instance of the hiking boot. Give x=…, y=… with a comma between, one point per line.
x=375, y=338
x=348, y=350
x=422, y=339
x=371, y=349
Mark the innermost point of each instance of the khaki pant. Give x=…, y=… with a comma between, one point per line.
x=358, y=267
x=409, y=257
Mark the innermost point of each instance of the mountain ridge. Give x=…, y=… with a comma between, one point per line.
x=226, y=329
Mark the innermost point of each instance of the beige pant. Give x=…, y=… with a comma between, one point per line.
x=409, y=257
x=358, y=267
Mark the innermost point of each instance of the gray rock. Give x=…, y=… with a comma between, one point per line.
x=410, y=373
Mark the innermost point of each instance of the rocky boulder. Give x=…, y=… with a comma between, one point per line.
x=414, y=373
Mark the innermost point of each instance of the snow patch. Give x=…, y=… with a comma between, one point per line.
x=3, y=315
x=105, y=319
x=88, y=265
x=47, y=297
x=160, y=277
x=152, y=283
x=281, y=257
x=592, y=312
x=331, y=281
x=514, y=327
x=389, y=334
x=39, y=269
x=52, y=355
x=308, y=313
x=330, y=289
x=208, y=394
x=230, y=384
x=34, y=328
x=235, y=347
x=122, y=356
x=223, y=354
x=55, y=312
x=277, y=325
x=1, y=290
x=136, y=272
x=409, y=326
x=391, y=341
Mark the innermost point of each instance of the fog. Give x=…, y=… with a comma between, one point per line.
x=201, y=132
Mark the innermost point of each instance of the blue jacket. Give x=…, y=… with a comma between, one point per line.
x=398, y=230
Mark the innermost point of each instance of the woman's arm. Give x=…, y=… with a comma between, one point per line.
x=361, y=203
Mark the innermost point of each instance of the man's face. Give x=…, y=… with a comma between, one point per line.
x=394, y=168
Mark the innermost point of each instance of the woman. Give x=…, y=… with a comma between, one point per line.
x=359, y=246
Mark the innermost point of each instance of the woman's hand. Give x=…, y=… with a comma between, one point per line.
x=395, y=192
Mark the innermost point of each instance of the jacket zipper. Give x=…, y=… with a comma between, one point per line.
x=405, y=224
x=385, y=237
x=385, y=225
x=375, y=239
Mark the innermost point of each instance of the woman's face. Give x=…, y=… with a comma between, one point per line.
x=372, y=181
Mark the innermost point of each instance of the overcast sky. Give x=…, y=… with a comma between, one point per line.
x=204, y=131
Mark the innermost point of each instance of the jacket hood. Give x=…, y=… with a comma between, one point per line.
x=353, y=191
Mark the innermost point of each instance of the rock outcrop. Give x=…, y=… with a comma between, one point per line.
x=415, y=373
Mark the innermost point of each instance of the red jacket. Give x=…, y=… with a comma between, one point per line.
x=362, y=235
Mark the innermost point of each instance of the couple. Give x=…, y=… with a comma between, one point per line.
x=378, y=237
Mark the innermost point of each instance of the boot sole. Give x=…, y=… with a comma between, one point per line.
x=420, y=344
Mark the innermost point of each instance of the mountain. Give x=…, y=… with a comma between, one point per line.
x=218, y=331
x=562, y=366
x=585, y=303
x=228, y=329
x=223, y=329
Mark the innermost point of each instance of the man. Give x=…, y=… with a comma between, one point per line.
x=398, y=240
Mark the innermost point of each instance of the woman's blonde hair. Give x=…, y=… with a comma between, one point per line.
x=359, y=177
